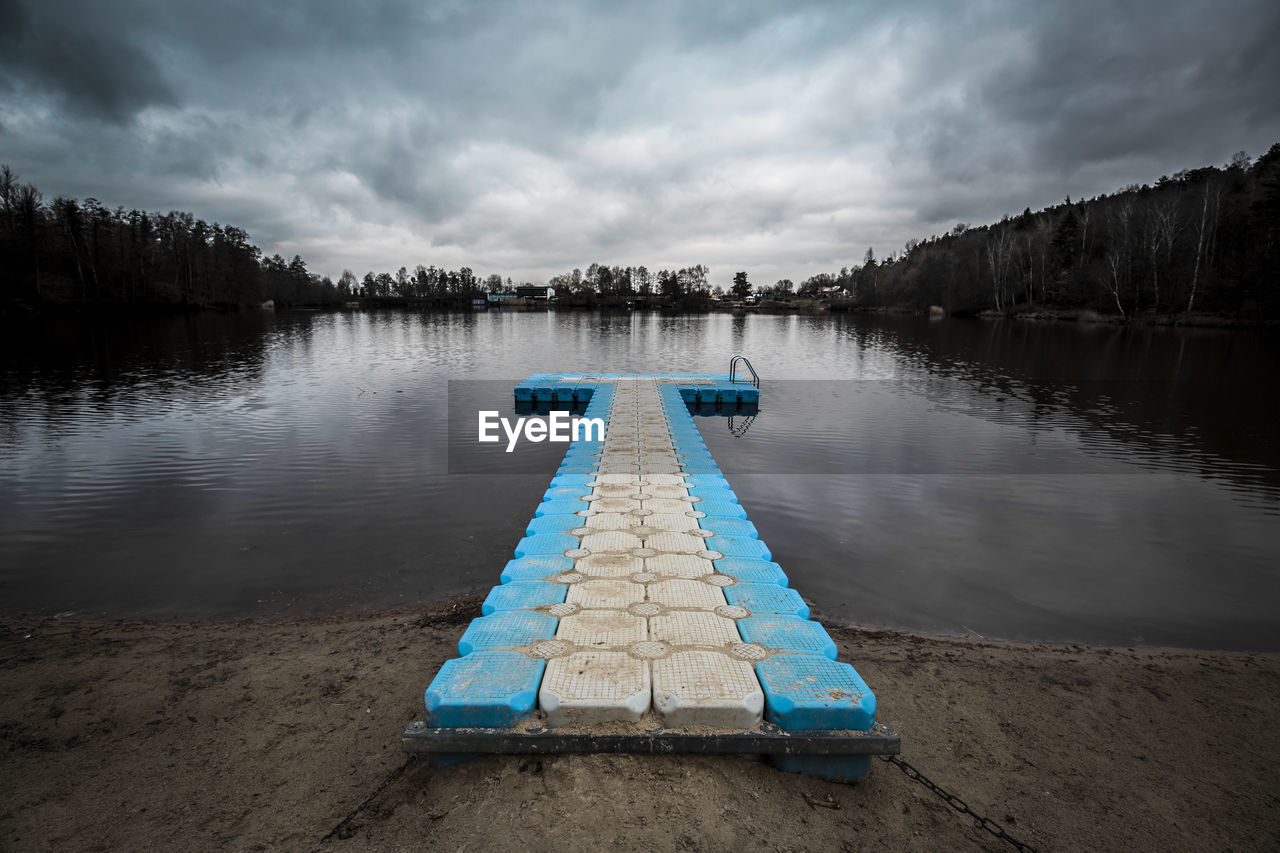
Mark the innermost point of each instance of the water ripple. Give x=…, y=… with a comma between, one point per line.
x=1026, y=481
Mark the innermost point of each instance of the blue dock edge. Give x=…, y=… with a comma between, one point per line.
x=494, y=683
x=713, y=388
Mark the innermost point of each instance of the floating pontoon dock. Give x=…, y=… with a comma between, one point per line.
x=642, y=595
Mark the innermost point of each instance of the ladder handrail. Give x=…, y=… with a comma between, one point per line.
x=733, y=370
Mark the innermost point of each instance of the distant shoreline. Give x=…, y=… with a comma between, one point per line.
x=459, y=610
x=116, y=310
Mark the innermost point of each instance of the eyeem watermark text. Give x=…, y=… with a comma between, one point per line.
x=557, y=426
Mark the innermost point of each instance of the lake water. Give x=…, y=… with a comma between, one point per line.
x=1009, y=479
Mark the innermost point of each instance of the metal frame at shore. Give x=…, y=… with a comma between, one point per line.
x=767, y=739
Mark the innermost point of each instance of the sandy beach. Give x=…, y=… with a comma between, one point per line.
x=265, y=735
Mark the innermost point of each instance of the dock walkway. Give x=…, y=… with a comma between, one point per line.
x=641, y=588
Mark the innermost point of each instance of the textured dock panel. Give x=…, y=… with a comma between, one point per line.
x=696, y=688
x=609, y=565
x=620, y=505
x=506, y=630
x=686, y=594
x=723, y=509
x=804, y=692
x=535, y=567
x=602, y=628
x=617, y=467
x=484, y=689
x=656, y=490
x=606, y=594
x=574, y=480
x=619, y=490
x=713, y=493
x=597, y=521
x=671, y=505
x=611, y=542
x=739, y=546
x=788, y=633
x=671, y=522
x=739, y=527
x=694, y=628
x=560, y=507
x=522, y=595
x=750, y=570
x=767, y=598
x=676, y=543
x=552, y=524
x=595, y=686
x=565, y=492
x=679, y=566
x=546, y=543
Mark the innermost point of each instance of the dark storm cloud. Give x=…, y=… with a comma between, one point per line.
x=1103, y=81
x=94, y=71
x=529, y=139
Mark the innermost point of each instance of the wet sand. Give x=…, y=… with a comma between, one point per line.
x=264, y=735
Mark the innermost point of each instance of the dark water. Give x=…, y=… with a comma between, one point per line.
x=1014, y=480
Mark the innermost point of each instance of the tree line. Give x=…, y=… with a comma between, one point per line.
x=70, y=251
x=424, y=283
x=607, y=284
x=1204, y=240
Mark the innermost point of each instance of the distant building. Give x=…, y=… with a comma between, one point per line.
x=524, y=295
x=835, y=292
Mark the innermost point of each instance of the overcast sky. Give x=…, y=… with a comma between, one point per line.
x=527, y=139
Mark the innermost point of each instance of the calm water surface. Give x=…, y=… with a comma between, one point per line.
x=1016, y=480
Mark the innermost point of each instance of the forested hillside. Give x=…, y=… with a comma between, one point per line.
x=66, y=251
x=1203, y=240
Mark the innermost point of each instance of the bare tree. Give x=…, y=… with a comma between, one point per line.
x=1115, y=261
x=1207, y=225
x=999, y=246
x=1121, y=221
x=1162, y=227
x=1083, y=215
x=1170, y=223
x=1043, y=230
x=1033, y=239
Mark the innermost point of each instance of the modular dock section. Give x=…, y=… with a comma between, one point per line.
x=642, y=594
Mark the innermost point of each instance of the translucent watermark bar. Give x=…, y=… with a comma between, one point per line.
x=914, y=426
x=559, y=427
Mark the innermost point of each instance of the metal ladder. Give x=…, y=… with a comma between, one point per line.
x=733, y=370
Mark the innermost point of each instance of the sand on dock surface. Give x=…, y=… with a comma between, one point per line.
x=265, y=735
